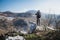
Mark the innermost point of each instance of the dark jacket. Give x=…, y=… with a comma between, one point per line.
x=38, y=14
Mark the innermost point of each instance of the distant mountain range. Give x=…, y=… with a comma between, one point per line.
x=11, y=14
x=29, y=13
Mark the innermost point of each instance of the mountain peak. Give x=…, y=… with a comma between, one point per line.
x=31, y=11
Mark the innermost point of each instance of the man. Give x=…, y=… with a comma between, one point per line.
x=38, y=16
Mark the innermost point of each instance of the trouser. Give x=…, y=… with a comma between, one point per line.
x=38, y=21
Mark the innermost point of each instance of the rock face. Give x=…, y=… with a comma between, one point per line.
x=23, y=26
x=17, y=24
x=32, y=27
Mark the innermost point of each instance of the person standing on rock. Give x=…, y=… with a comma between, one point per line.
x=38, y=16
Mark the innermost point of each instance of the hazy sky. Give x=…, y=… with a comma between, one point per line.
x=24, y=5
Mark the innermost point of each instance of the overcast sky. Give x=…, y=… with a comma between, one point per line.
x=24, y=5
